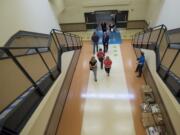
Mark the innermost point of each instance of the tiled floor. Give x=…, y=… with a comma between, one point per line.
x=107, y=110
x=107, y=106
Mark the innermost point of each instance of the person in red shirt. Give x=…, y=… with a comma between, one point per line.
x=100, y=56
x=107, y=64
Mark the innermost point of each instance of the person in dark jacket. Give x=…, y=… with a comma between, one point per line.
x=141, y=61
x=104, y=27
x=95, y=40
x=105, y=41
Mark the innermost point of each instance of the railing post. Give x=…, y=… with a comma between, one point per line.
x=45, y=64
x=57, y=38
x=149, y=38
x=76, y=41
x=135, y=36
x=66, y=39
x=54, y=58
x=80, y=38
x=72, y=40
x=23, y=70
x=55, y=41
x=137, y=39
x=142, y=40
x=171, y=64
x=157, y=44
x=132, y=41
x=167, y=39
x=162, y=36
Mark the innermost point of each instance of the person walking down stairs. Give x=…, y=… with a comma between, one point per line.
x=95, y=40
x=93, y=67
x=101, y=56
x=107, y=65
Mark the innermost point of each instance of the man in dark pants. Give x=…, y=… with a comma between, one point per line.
x=141, y=61
x=103, y=26
x=95, y=40
x=105, y=42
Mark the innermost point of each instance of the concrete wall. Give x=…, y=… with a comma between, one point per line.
x=75, y=9
x=170, y=102
x=29, y=15
x=164, y=12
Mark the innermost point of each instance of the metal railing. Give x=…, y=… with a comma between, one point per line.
x=29, y=64
x=166, y=45
x=149, y=39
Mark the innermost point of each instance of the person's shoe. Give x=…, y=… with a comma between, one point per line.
x=95, y=80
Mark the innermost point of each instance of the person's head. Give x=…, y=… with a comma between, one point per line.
x=100, y=50
x=94, y=33
x=142, y=53
x=93, y=58
x=107, y=58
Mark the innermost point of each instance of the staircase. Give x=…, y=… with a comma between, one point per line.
x=29, y=64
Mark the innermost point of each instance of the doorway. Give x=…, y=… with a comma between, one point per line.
x=108, y=16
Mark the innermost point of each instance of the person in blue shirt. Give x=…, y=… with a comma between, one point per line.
x=141, y=61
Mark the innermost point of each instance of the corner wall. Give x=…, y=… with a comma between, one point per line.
x=164, y=12
x=58, y=6
x=29, y=15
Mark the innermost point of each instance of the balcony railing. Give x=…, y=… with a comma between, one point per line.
x=29, y=64
x=166, y=45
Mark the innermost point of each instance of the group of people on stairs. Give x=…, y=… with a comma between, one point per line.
x=95, y=40
x=106, y=61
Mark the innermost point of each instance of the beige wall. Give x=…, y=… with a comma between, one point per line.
x=13, y=81
x=164, y=12
x=29, y=15
x=74, y=9
x=170, y=102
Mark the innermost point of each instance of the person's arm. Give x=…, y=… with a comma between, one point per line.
x=104, y=62
x=90, y=65
x=103, y=54
x=98, y=54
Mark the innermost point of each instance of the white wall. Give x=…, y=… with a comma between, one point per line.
x=29, y=15
x=58, y=6
x=74, y=10
x=164, y=12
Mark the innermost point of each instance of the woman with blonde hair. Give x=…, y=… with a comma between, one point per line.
x=107, y=64
x=93, y=67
